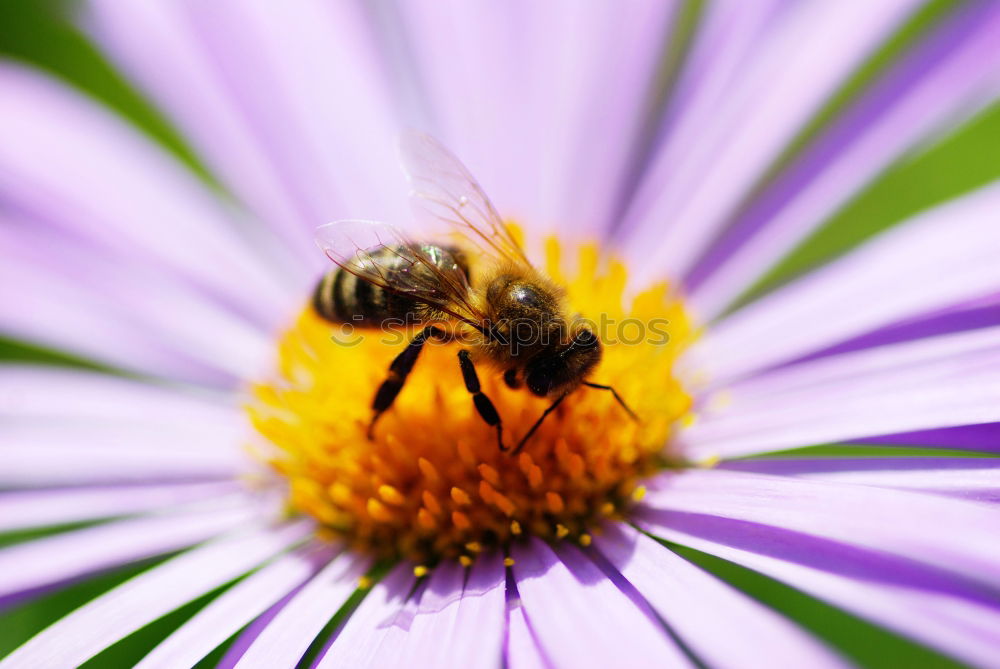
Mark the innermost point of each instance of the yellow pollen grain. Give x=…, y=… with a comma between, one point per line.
x=390, y=495
x=555, y=502
x=426, y=519
x=378, y=510
x=460, y=520
x=340, y=494
x=710, y=462
x=535, y=477
x=420, y=571
x=504, y=504
x=428, y=470
x=639, y=493
x=489, y=474
x=508, y=562
x=430, y=484
x=585, y=540
x=364, y=583
x=431, y=503
x=575, y=465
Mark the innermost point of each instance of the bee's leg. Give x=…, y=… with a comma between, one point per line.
x=617, y=397
x=483, y=403
x=400, y=368
x=526, y=437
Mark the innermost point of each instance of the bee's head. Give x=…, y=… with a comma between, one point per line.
x=561, y=369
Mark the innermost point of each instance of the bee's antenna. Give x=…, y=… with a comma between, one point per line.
x=617, y=397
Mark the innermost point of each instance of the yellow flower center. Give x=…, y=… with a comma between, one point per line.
x=431, y=483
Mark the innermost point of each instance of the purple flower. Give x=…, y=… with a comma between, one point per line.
x=580, y=121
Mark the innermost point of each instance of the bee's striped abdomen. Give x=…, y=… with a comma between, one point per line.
x=343, y=297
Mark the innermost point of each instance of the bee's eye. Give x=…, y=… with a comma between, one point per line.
x=585, y=339
x=540, y=382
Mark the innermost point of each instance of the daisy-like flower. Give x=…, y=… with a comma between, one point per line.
x=808, y=341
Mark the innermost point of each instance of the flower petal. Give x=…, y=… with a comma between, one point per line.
x=721, y=625
x=975, y=479
x=984, y=437
x=449, y=613
x=970, y=315
x=383, y=610
x=896, y=403
x=208, y=112
x=118, y=311
x=578, y=616
x=142, y=599
x=69, y=163
x=304, y=80
x=747, y=131
x=548, y=126
x=920, y=361
x=234, y=608
x=522, y=650
x=43, y=453
x=964, y=538
x=285, y=639
x=38, y=508
x=951, y=614
x=878, y=284
x=31, y=565
x=59, y=393
x=949, y=78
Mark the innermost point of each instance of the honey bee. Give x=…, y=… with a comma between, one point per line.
x=512, y=317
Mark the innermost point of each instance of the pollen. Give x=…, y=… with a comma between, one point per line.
x=431, y=483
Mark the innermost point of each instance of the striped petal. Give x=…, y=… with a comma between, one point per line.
x=450, y=609
x=963, y=542
x=313, y=115
x=46, y=453
x=70, y=164
x=948, y=79
x=234, y=608
x=39, y=508
x=116, y=310
x=383, y=610
x=809, y=49
x=974, y=479
x=31, y=392
x=579, y=617
x=142, y=599
x=550, y=126
x=948, y=613
x=899, y=402
x=880, y=283
x=58, y=558
x=285, y=639
x=721, y=625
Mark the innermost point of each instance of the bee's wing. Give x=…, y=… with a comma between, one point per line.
x=381, y=255
x=444, y=189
